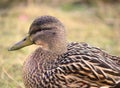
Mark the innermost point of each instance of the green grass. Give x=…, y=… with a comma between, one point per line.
x=95, y=25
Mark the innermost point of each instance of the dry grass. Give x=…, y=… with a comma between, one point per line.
x=98, y=26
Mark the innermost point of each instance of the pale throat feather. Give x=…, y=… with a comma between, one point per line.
x=54, y=47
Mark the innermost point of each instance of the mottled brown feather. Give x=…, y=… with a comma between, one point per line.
x=82, y=66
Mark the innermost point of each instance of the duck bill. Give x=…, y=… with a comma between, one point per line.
x=25, y=42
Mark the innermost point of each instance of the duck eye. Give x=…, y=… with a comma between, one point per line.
x=35, y=31
x=41, y=29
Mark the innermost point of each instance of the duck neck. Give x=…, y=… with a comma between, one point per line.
x=58, y=47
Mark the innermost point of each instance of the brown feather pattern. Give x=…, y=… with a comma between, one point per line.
x=82, y=66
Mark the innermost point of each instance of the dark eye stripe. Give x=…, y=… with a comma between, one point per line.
x=41, y=29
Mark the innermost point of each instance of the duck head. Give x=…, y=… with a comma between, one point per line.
x=47, y=32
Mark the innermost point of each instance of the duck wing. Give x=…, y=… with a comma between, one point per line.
x=83, y=64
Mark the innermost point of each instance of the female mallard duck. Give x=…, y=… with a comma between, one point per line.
x=56, y=64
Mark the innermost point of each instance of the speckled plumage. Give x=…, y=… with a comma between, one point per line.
x=58, y=64
x=82, y=66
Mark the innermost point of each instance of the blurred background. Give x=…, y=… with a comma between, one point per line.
x=96, y=22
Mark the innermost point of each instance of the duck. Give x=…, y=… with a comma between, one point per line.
x=59, y=64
